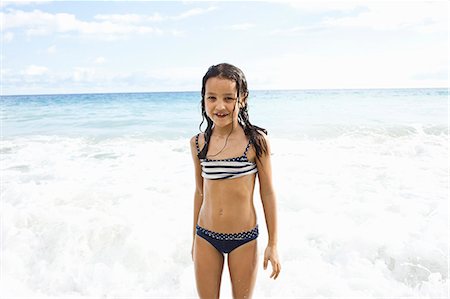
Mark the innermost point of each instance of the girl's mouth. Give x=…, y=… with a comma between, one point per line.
x=221, y=115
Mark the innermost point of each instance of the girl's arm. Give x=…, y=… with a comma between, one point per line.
x=270, y=209
x=198, y=194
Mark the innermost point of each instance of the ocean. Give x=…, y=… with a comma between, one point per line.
x=97, y=194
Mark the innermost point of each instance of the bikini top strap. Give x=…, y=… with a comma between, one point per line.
x=246, y=149
x=196, y=143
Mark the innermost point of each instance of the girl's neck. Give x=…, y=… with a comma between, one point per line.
x=223, y=132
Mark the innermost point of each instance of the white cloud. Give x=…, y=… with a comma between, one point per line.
x=105, y=27
x=155, y=17
x=7, y=37
x=292, y=71
x=90, y=79
x=380, y=69
x=21, y=3
x=298, y=30
x=35, y=70
x=37, y=32
x=418, y=16
x=51, y=49
x=323, y=6
x=4, y=71
x=18, y=18
x=175, y=73
x=193, y=12
x=84, y=74
x=37, y=22
x=242, y=26
x=176, y=32
x=120, y=18
x=100, y=60
x=438, y=74
x=131, y=18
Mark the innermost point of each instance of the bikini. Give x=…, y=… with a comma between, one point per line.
x=226, y=169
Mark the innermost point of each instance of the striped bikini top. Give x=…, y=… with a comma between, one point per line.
x=226, y=168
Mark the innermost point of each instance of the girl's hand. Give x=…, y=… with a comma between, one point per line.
x=272, y=255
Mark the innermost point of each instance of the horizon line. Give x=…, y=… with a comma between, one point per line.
x=186, y=91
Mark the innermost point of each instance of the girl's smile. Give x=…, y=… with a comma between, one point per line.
x=221, y=115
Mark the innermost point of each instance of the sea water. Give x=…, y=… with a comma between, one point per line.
x=97, y=194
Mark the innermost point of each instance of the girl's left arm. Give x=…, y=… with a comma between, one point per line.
x=268, y=199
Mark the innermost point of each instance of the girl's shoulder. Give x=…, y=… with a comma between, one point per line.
x=199, y=136
x=198, y=140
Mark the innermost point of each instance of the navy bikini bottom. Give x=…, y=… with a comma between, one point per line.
x=225, y=243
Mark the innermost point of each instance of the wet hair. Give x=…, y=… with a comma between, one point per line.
x=230, y=72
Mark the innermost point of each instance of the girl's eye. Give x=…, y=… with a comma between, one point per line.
x=213, y=98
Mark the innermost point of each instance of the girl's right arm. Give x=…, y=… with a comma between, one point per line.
x=198, y=194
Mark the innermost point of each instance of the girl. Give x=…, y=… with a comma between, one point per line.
x=227, y=157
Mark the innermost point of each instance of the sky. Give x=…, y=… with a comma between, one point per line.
x=63, y=47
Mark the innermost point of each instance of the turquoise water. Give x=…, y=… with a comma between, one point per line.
x=171, y=115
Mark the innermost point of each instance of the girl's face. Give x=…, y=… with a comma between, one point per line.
x=221, y=101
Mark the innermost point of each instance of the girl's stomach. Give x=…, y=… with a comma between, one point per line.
x=225, y=219
x=228, y=205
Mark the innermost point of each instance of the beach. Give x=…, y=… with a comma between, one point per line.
x=97, y=194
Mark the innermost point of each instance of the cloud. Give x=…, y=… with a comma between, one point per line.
x=120, y=18
x=7, y=37
x=100, y=60
x=4, y=71
x=242, y=26
x=324, y=6
x=35, y=70
x=96, y=79
x=441, y=74
x=193, y=12
x=38, y=22
x=380, y=69
x=51, y=49
x=297, y=30
x=21, y=2
x=419, y=16
x=104, y=27
x=155, y=17
x=84, y=74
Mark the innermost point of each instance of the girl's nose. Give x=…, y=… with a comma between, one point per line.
x=220, y=104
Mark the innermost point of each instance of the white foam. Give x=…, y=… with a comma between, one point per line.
x=359, y=216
